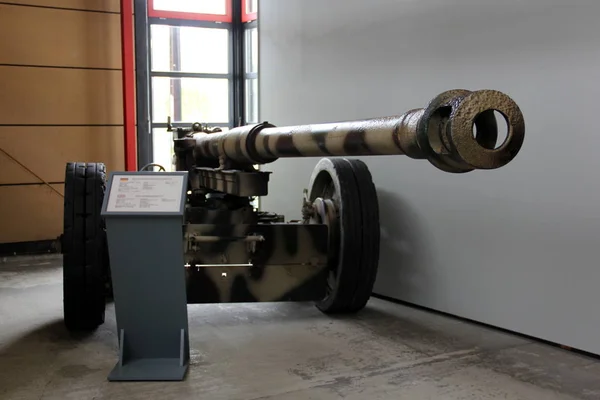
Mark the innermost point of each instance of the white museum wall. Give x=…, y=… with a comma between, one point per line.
x=515, y=247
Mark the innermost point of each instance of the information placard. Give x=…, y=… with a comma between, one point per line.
x=146, y=193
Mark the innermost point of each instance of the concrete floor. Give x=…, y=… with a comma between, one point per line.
x=280, y=351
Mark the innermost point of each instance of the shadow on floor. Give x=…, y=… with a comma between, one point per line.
x=35, y=357
x=53, y=334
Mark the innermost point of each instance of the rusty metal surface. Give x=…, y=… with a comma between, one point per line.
x=442, y=133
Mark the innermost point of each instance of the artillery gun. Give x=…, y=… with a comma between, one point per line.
x=157, y=241
x=233, y=252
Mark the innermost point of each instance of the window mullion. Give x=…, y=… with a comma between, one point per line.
x=176, y=65
x=238, y=64
x=179, y=74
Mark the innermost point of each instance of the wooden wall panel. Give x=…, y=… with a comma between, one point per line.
x=46, y=150
x=60, y=96
x=61, y=100
x=30, y=213
x=93, y=5
x=12, y=173
x=54, y=37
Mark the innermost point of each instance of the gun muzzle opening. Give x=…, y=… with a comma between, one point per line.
x=486, y=130
x=459, y=132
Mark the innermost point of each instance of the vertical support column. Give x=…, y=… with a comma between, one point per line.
x=142, y=83
x=237, y=115
x=144, y=214
x=128, y=70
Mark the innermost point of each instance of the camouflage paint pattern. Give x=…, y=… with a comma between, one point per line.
x=442, y=133
x=234, y=253
x=249, y=263
x=238, y=183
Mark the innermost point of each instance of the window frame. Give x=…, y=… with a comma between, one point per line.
x=181, y=74
x=227, y=17
x=248, y=74
x=236, y=22
x=247, y=17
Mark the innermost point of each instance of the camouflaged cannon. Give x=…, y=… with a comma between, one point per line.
x=330, y=257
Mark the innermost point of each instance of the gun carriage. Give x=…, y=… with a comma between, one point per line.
x=233, y=252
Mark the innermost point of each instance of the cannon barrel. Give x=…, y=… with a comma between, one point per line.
x=456, y=132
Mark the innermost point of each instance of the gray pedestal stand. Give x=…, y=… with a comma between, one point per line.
x=144, y=218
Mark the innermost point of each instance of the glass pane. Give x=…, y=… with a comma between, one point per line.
x=189, y=49
x=252, y=100
x=163, y=152
x=252, y=50
x=162, y=148
x=218, y=7
x=251, y=6
x=190, y=99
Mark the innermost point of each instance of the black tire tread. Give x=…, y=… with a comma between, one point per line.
x=346, y=280
x=359, y=235
x=370, y=232
x=84, y=264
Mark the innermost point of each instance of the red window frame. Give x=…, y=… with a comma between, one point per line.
x=228, y=17
x=128, y=81
x=247, y=17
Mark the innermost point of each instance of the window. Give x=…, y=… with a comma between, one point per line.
x=199, y=10
x=196, y=70
x=249, y=10
x=251, y=7
x=251, y=101
x=190, y=77
x=251, y=62
x=251, y=75
x=216, y=7
x=192, y=49
x=190, y=100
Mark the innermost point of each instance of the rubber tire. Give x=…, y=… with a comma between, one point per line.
x=370, y=238
x=358, y=253
x=84, y=247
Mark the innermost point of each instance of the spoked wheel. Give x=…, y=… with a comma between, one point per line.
x=84, y=247
x=343, y=196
